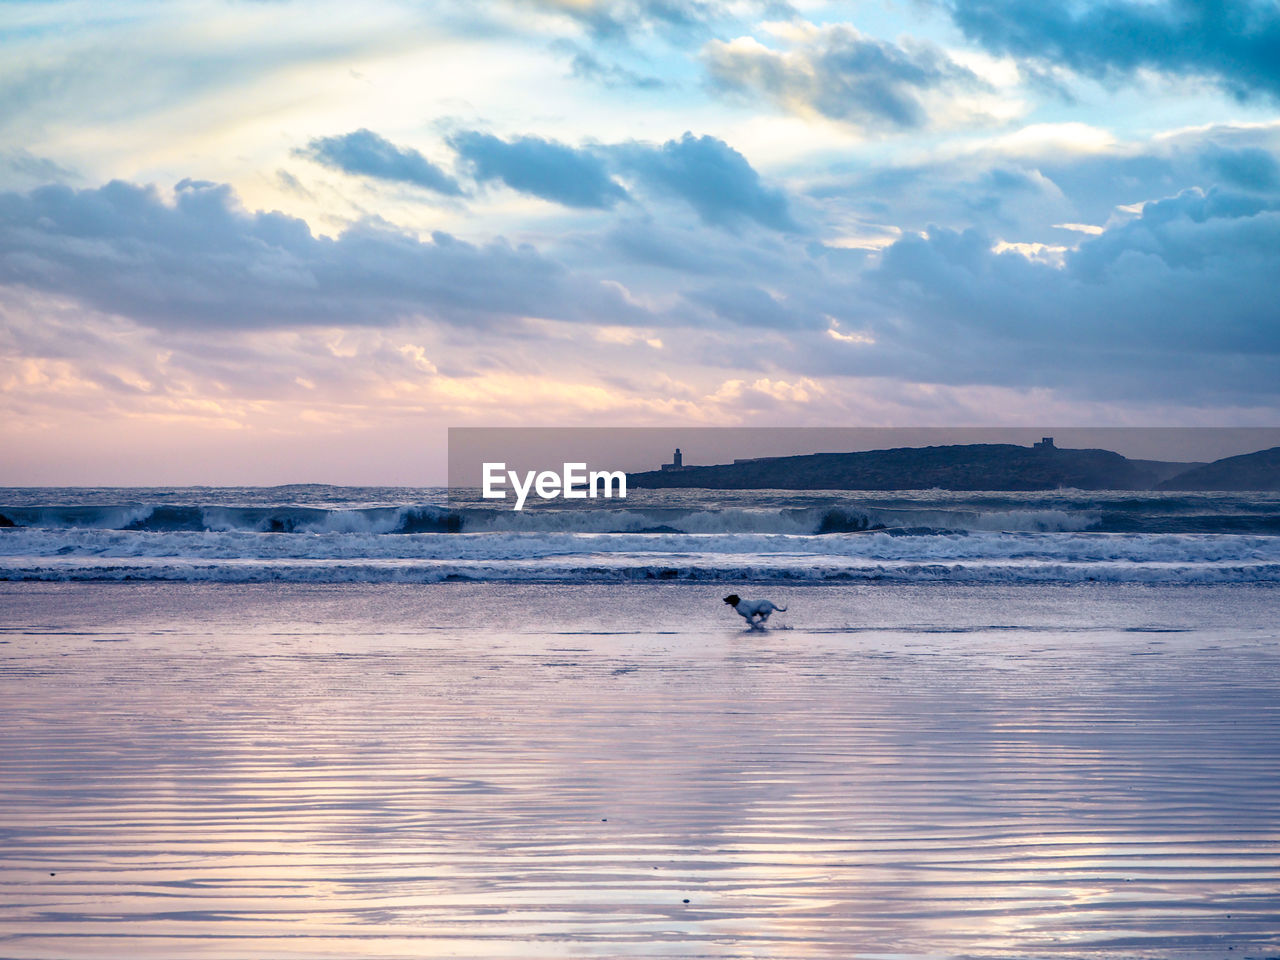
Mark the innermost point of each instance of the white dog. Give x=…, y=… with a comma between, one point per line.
x=750, y=609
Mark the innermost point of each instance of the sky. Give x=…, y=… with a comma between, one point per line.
x=270, y=241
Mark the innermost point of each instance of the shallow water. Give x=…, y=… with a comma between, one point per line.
x=498, y=771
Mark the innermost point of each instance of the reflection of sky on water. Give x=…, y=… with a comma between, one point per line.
x=487, y=772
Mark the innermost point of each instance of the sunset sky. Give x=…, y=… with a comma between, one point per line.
x=263, y=242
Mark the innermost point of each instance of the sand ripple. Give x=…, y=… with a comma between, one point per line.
x=255, y=777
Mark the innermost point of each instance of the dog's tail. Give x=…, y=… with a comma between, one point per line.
x=776, y=607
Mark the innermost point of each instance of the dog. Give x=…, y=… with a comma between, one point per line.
x=750, y=609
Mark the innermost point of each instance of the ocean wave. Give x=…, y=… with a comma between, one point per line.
x=430, y=518
x=391, y=511
x=922, y=544
x=90, y=553
x=168, y=518
x=620, y=568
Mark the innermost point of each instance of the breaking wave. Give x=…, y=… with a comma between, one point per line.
x=931, y=554
x=426, y=518
x=370, y=534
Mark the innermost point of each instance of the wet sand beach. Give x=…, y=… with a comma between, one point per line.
x=540, y=770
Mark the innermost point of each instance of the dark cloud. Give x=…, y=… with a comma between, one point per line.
x=746, y=305
x=364, y=153
x=1024, y=195
x=543, y=168
x=1177, y=302
x=669, y=248
x=716, y=180
x=709, y=175
x=202, y=261
x=1001, y=196
x=1249, y=168
x=842, y=75
x=1234, y=43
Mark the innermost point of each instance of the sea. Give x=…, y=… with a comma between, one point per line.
x=312, y=722
x=339, y=534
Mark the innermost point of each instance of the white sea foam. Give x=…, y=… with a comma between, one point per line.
x=336, y=557
x=831, y=518
x=366, y=534
x=875, y=545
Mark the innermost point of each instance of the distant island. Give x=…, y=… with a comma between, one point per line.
x=1251, y=471
x=975, y=466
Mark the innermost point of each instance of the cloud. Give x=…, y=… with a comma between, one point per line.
x=1249, y=168
x=683, y=250
x=838, y=73
x=542, y=168
x=705, y=172
x=714, y=179
x=21, y=167
x=113, y=76
x=202, y=261
x=1173, y=299
x=674, y=19
x=1177, y=302
x=364, y=153
x=586, y=65
x=1233, y=43
x=1021, y=189
x=709, y=175
x=744, y=304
